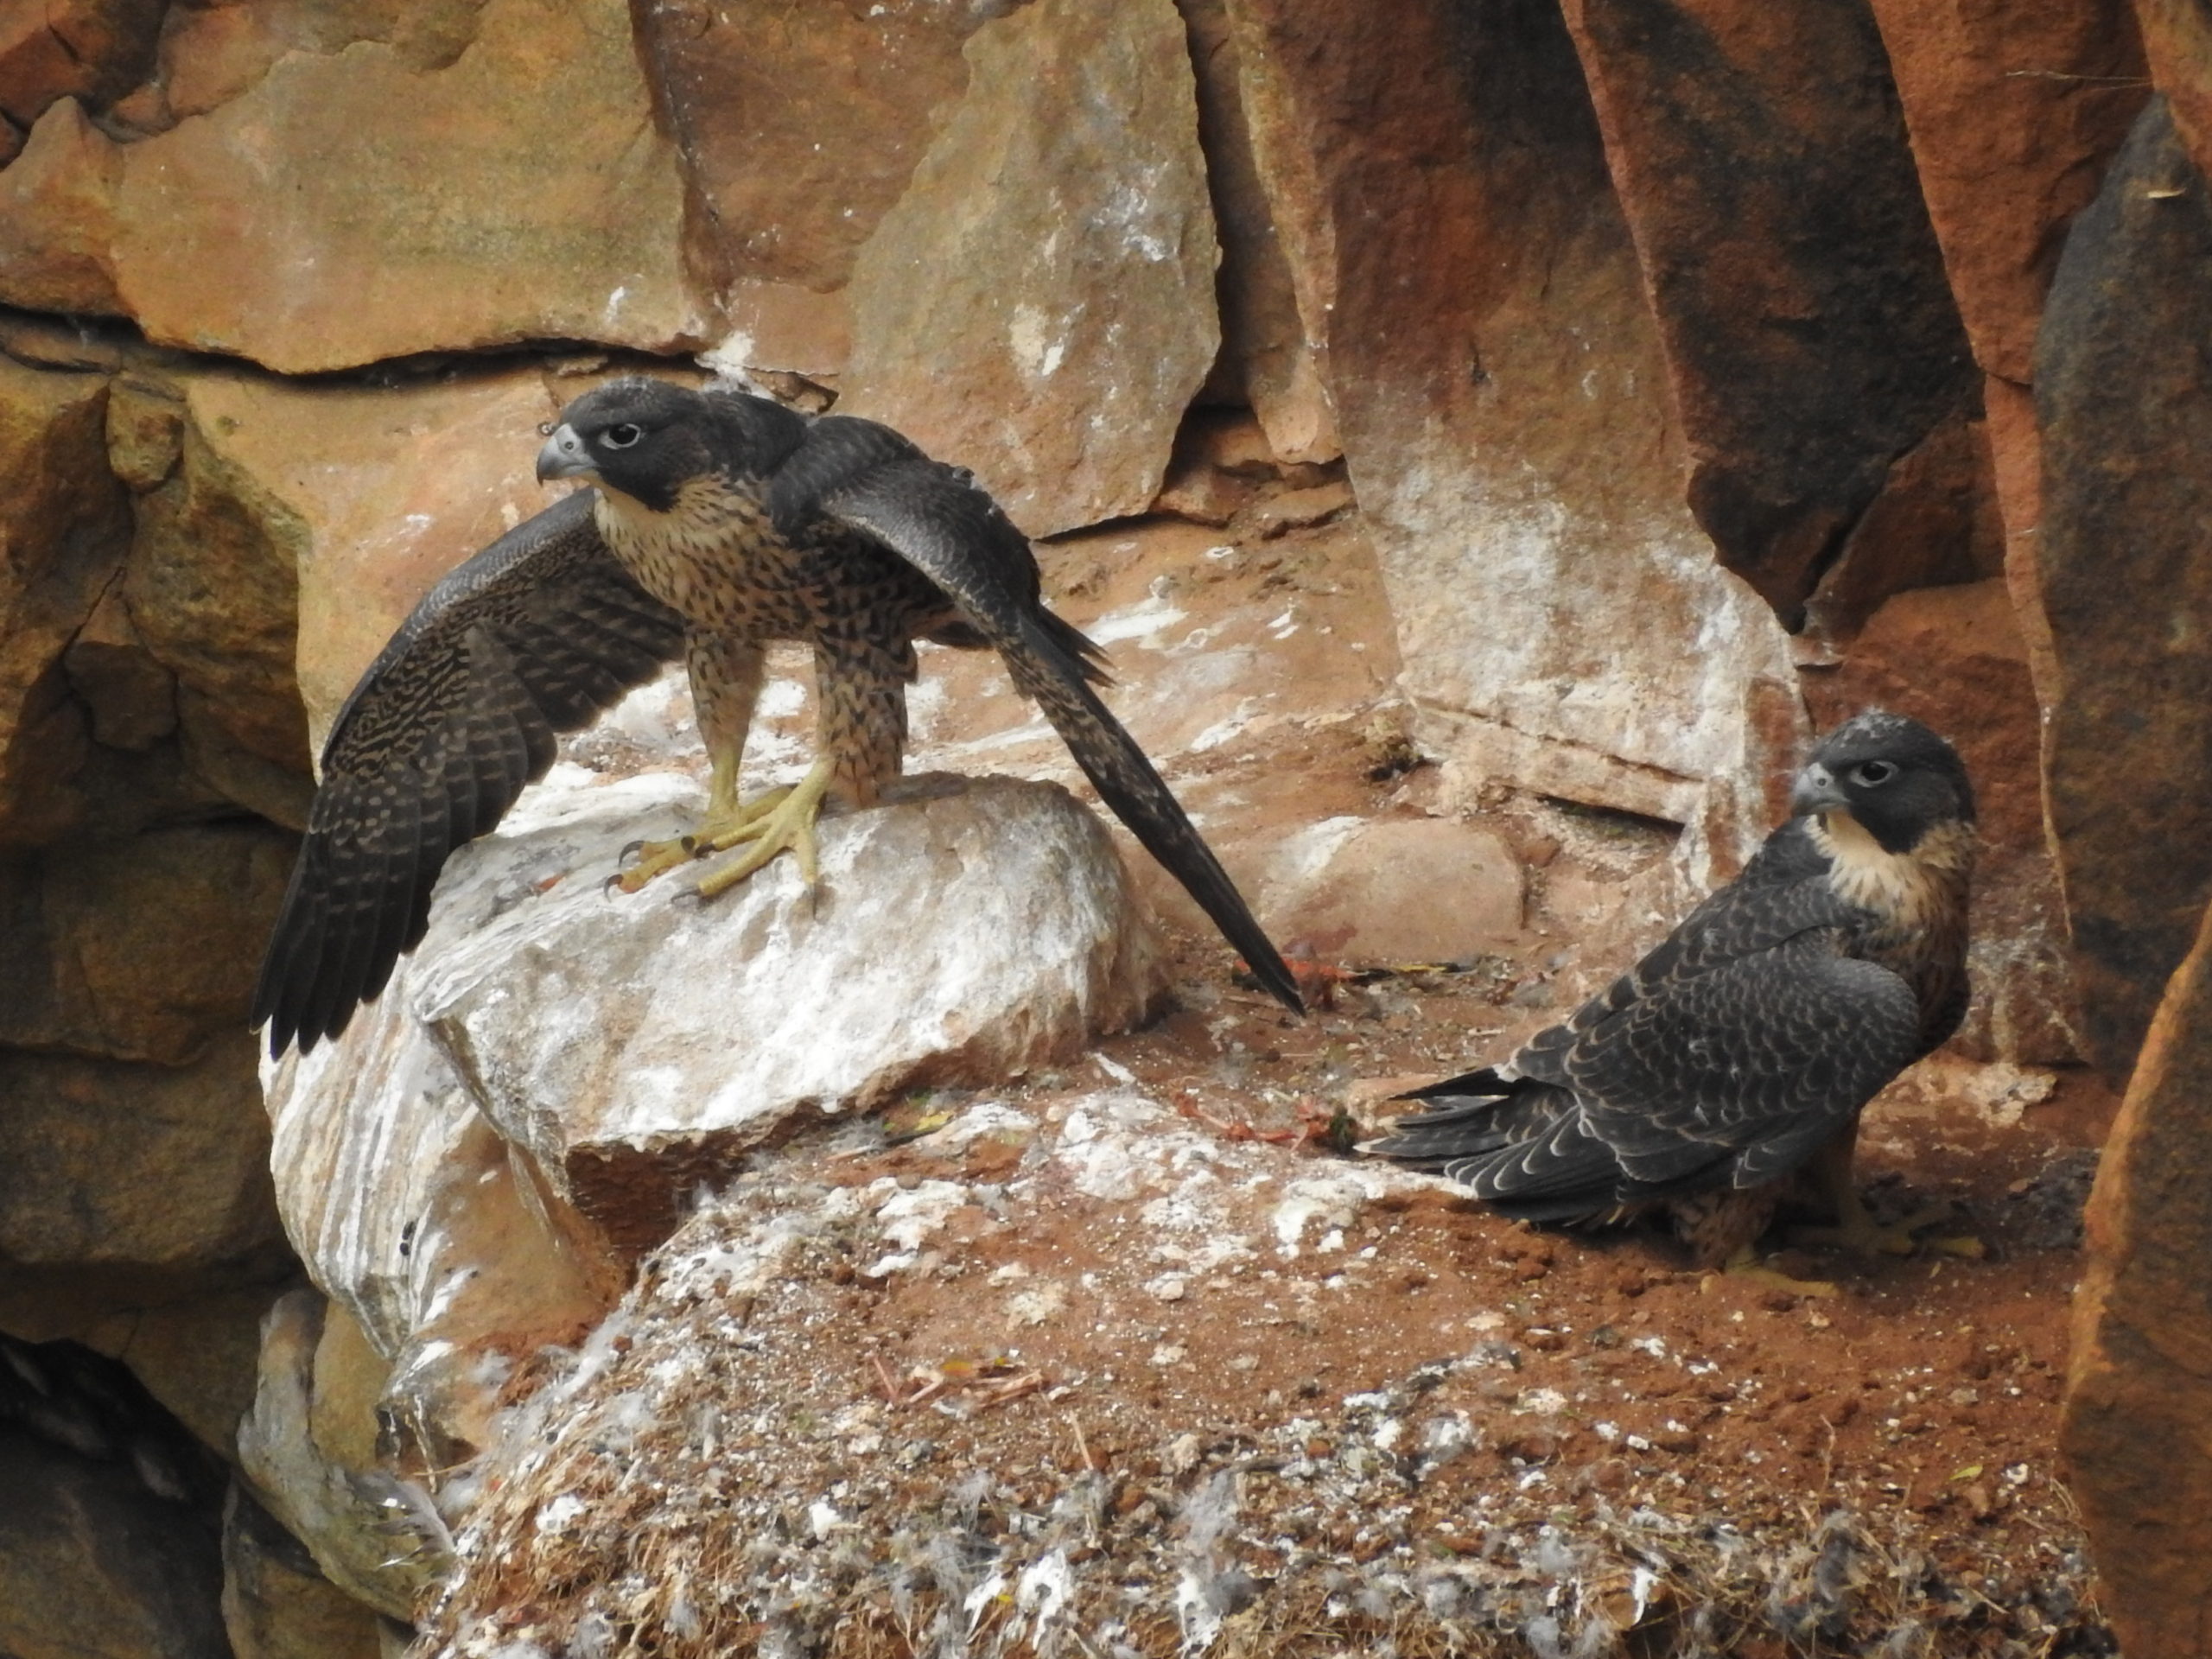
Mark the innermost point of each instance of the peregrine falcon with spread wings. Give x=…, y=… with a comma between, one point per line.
x=1743, y=1048
x=718, y=522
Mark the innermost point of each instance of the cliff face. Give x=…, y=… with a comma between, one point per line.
x=1492, y=438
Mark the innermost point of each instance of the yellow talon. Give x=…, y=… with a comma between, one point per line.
x=774, y=820
x=787, y=825
x=655, y=858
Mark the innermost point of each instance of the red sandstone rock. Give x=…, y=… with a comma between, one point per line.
x=1811, y=337
x=2126, y=558
x=211, y=53
x=90, y=49
x=132, y=697
x=57, y=217
x=2140, y=1388
x=133, y=1165
x=141, y=948
x=63, y=525
x=1203, y=494
x=1299, y=509
x=354, y=204
x=1934, y=523
x=1038, y=306
x=2014, y=112
x=1267, y=358
x=1492, y=364
x=798, y=127
x=2016, y=474
x=2178, y=41
x=1398, y=890
x=375, y=493
x=212, y=590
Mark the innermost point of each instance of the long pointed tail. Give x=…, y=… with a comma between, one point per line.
x=1128, y=783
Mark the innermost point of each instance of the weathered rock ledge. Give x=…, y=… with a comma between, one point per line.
x=557, y=1069
x=1076, y=1372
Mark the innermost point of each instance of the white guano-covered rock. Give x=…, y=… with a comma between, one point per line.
x=634, y=1048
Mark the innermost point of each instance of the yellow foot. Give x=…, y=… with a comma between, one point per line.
x=657, y=858
x=786, y=825
x=1746, y=1265
x=1861, y=1234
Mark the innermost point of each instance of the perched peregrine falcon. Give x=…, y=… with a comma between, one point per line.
x=720, y=522
x=1743, y=1048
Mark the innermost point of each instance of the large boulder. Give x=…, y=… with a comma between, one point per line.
x=963, y=933
x=514, y=186
x=713, y=1029
x=2126, y=580
x=1040, y=304
x=550, y=1077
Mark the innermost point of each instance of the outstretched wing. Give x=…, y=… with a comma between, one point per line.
x=530, y=638
x=935, y=517
x=1727, y=1057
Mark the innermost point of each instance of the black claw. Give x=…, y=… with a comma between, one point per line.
x=630, y=851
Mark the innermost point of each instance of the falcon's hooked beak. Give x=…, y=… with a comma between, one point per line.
x=564, y=456
x=1817, y=790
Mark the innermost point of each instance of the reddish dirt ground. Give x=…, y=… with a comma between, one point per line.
x=1924, y=1387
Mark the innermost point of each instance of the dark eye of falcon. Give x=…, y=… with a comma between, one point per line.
x=622, y=435
x=1873, y=773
